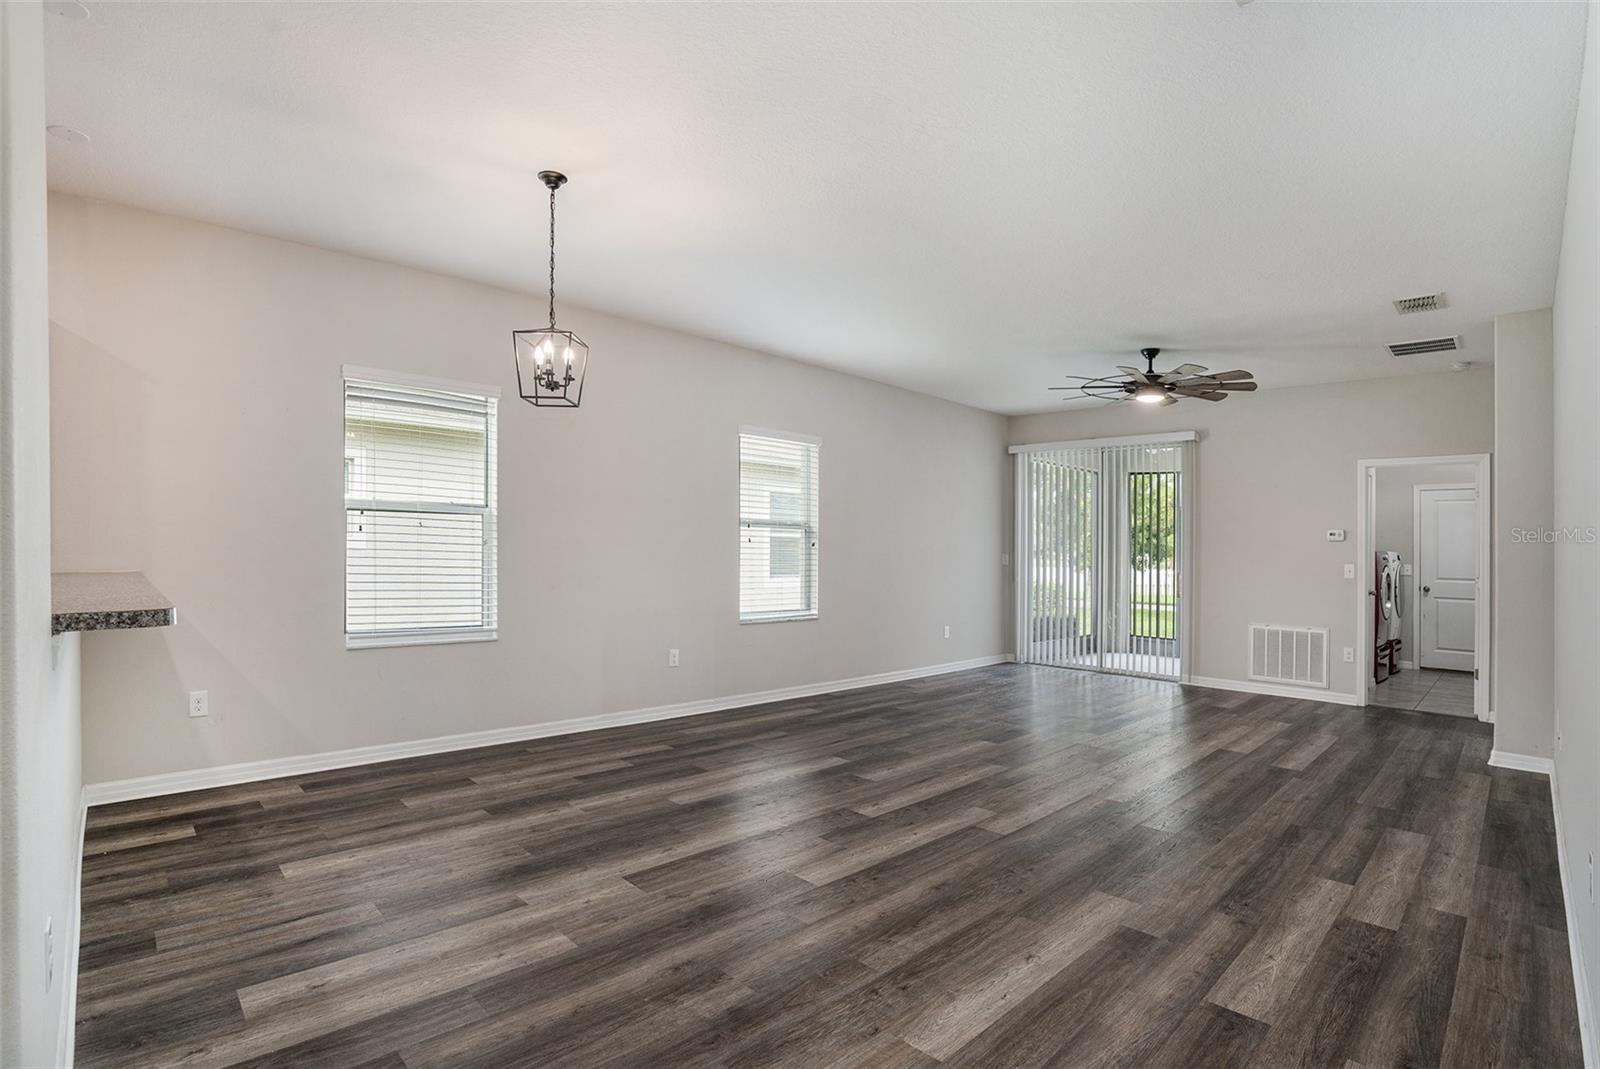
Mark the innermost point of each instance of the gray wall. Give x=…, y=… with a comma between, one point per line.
x=198, y=438
x=1577, y=506
x=1524, y=500
x=1276, y=470
x=39, y=782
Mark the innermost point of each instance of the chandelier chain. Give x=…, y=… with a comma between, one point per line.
x=552, y=257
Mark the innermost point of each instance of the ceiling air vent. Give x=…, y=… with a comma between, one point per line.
x=1426, y=345
x=1428, y=302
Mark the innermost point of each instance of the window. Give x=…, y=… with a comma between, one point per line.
x=777, y=527
x=419, y=475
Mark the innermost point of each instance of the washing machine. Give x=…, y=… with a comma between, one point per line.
x=1386, y=612
x=1386, y=608
x=1389, y=586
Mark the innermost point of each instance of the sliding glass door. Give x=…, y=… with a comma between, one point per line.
x=1101, y=544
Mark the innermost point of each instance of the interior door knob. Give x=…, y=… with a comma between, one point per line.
x=1426, y=589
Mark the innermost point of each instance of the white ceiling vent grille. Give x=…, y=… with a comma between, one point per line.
x=1425, y=345
x=1294, y=655
x=1428, y=302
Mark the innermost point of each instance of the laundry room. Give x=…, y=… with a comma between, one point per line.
x=1423, y=586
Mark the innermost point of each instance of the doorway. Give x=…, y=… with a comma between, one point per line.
x=1422, y=561
x=1102, y=548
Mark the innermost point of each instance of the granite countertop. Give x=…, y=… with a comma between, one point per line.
x=106, y=601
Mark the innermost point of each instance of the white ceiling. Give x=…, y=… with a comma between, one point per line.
x=965, y=199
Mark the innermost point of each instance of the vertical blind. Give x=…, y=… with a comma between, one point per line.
x=1060, y=525
x=777, y=527
x=419, y=478
x=1101, y=535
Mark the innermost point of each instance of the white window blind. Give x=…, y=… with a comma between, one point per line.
x=419, y=489
x=777, y=527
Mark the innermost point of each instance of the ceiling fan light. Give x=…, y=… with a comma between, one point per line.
x=1151, y=387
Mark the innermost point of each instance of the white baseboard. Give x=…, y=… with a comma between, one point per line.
x=1521, y=762
x=1277, y=690
x=1408, y=666
x=251, y=771
x=1580, y=971
x=66, y=1039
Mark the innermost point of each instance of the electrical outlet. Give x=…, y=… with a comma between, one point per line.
x=672, y=658
x=1349, y=654
x=199, y=703
x=1005, y=560
x=1349, y=571
x=946, y=630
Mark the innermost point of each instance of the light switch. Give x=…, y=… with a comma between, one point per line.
x=1336, y=534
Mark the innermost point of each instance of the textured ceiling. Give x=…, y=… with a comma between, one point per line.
x=969, y=200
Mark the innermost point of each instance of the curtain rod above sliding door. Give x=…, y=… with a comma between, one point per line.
x=1091, y=443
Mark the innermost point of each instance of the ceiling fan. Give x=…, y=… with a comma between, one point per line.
x=1154, y=387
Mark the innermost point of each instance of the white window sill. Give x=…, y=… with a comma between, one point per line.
x=788, y=618
x=436, y=638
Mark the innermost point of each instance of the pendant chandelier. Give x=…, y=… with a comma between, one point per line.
x=550, y=362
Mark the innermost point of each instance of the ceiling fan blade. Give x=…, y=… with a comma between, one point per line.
x=1167, y=400
x=1230, y=376
x=1199, y=380
x=1236, y=386
x=1134, y=373
x=1186, y=369
x=1204, y=395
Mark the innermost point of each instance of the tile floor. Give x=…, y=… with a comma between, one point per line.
x=1426, y=690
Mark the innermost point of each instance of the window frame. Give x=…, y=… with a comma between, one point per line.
x=807, y=531
x=489, y=511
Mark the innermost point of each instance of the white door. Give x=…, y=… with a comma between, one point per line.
x=1447, y=577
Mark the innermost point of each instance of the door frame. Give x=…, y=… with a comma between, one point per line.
x=1416, y=558
x=1483, y=639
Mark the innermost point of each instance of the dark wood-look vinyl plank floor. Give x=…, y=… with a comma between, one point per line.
x=1008, y=867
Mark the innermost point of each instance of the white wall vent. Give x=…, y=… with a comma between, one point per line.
x=1428, y=302
x=1294, y=655
x=1426, y=345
